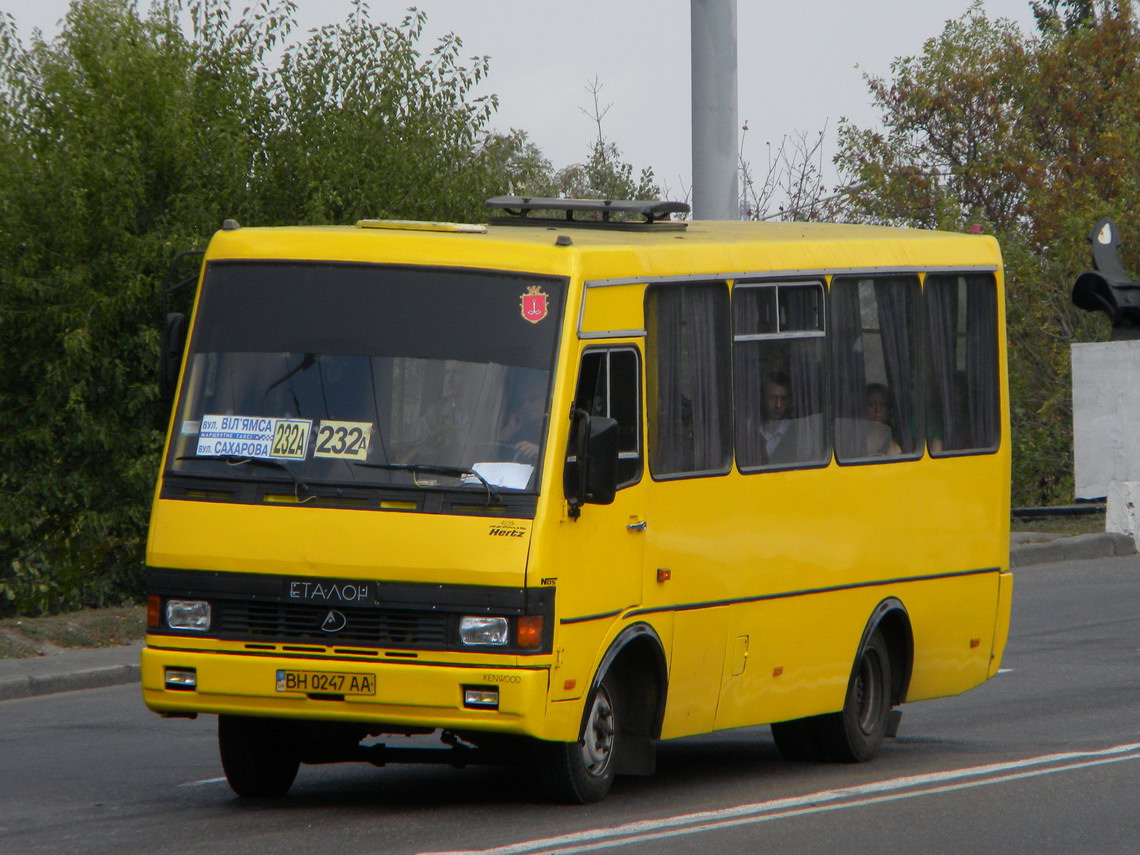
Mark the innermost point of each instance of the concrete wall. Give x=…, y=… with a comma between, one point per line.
x=1106, y=415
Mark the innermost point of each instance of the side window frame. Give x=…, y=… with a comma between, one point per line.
x=631, y=459
x=901, y=387
x=781, y=328
x=688, y=379
x=963, y=319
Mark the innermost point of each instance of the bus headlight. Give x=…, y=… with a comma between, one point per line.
x=484, y=631
x=188, y=614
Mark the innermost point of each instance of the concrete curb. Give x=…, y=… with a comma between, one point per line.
x=31, y=685
x=1079, y=548
x=68, y=671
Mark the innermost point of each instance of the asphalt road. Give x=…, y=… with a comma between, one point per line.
x=1044, y=758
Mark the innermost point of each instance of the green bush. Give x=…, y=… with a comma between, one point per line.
x=127, y=139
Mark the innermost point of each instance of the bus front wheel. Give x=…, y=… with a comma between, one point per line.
x=258, y=756
x=582, y=772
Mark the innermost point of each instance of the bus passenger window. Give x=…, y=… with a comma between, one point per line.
x=874, y=330
x=961, y=314
x=690, y=427
x=609, y=385
x=778, y=365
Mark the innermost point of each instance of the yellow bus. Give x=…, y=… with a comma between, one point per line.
x=574, y=481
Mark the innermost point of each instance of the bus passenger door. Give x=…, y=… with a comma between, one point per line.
x=603, y=548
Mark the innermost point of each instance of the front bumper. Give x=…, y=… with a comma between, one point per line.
x=408, y=694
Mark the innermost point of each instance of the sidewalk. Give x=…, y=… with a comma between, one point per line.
x=69, y=670
x=113, y=666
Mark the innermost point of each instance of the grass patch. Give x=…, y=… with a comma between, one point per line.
x=12, y=647
x=21, y=637
x=1066, y=526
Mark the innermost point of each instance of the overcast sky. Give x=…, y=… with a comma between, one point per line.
x=801, y=64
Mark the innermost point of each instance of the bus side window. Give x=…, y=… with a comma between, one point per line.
x=688, y=373
x=609, y=385
x=874, y=335
x=779, y=358
x=961, y=314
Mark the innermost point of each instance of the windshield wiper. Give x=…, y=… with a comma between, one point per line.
x=307, y=362
x=264, y=462
x=433, y=469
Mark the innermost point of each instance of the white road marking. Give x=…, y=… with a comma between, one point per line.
x=826, y=800
x=203, y=782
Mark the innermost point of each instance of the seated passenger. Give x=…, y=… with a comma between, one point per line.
x=880, y=435
x=523, y=428
x=777, y=428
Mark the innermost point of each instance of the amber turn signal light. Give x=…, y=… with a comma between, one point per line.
x=530, y=632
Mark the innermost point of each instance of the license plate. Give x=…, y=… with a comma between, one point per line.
x=326, y=682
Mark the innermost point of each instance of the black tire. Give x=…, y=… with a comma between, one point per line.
x=258, y=756
x=796, y=740
x=854, y=734
x=582, y=772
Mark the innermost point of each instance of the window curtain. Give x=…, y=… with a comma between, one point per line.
x=805, y=358
x=942, y=316
x=748, y=368
x=848, y=370
x=981, y=360
x=689, y=335
x=667, y=429
x=895, y=301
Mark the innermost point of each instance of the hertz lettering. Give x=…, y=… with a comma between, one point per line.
x=502, y=678
x=507, y=532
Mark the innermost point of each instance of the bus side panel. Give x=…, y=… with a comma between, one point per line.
x=1001, y=630
x=797, y=666
x=794, y=666
x=794, y=564
x=695, y=671
x=578, y=647
x=953, y=621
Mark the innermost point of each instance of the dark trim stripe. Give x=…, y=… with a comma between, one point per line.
x=783, y=595
x=588, y=618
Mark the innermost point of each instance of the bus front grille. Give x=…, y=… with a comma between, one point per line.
x=368, y=627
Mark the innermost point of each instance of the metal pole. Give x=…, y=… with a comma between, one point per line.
x=713, y=35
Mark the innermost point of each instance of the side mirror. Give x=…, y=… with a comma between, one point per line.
x=591, y=466
x=170, y=362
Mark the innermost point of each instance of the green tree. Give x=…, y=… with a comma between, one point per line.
x=522, y=167
x=119, y=142
x=128, y=138
x=792, y=182
x=1032, y=138
x=604, y=175
x=365, y=125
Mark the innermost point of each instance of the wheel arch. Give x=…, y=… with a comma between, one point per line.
x=890, y=617
x=636, y=661
x=638, y=656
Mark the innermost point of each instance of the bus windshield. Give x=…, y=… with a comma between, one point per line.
x=368, y=374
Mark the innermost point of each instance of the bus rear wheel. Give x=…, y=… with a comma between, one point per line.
x=582, y=772
x=855, y=734
x=258, y=756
